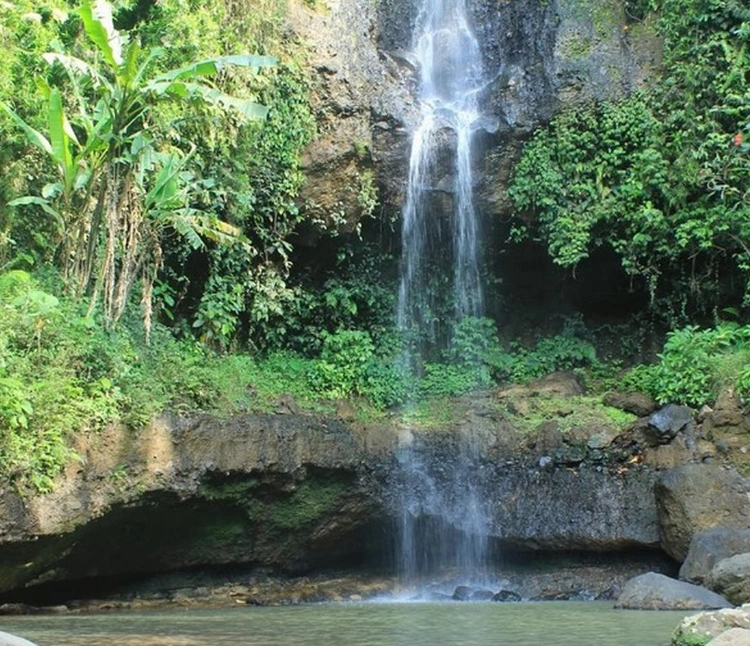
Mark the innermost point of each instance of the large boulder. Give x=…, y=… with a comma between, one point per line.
x=704, y=626
x=733, y=637
x=652, y=591
x=731, y=578
x=708, y=548
x=697, y=497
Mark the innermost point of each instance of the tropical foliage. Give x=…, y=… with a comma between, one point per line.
x=151, y=228
x=662, y=177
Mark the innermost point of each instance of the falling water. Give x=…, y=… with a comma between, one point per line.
x=450, y=78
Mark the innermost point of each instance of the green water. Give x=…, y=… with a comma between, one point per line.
x=396, y=624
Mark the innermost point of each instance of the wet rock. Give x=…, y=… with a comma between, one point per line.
x=638, y=404
x=570, y=456
x=462, y=593
x=732, y=637
x=653, y=591
x=610, y=594
x=584, y=509
x=697, y=497
x=667, y=422
x=710, y=547
x=731, y=578
x=704, y=626
x=505, y=596
x=482, y=595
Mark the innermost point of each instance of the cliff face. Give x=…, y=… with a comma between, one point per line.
x=539, y=57
x=293, y=494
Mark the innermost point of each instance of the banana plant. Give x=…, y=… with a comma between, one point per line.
x=113, y=174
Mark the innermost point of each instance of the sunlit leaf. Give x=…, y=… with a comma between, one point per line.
x=97, y=21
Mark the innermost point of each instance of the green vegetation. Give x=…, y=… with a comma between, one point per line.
x=570, y=413
x=152, y=233
x=310, y=501
x=696, y=365
x=660, y=177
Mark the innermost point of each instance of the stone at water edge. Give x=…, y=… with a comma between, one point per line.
x=733, y=637
x=6, y=639
x=697, y=497
x=482, y=594
x=710, y=547
x=506, y=596
x=704, y=626
x=654, y=591
x=731, y=578
x=462, y=593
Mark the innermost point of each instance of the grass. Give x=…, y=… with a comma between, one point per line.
x=569, y=412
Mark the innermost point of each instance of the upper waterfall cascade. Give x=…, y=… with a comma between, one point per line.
x=451, y=77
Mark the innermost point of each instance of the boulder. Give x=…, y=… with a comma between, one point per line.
x=733, y=637
x=696, y=497
x=704, y=626
x=482, y=594
x=462, y=593
x=6, y=639
x=667, y=422
x=639, y=404
x=731, y=578
x=708, y=548
x=505, y=596
x=652, y=591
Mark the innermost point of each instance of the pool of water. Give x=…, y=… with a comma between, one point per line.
x=389, y=624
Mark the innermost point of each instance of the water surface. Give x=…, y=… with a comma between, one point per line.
x=395, y=624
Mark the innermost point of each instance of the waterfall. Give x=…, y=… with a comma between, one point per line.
x=451, y=76
x=444, y=521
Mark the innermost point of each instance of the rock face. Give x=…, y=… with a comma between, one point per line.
x=696, y=497
x=538, y=57
x=731, y=578
x=293, y=494
x=281, y=490
x=710, y=547
x=704, y=626
x=653, y=591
